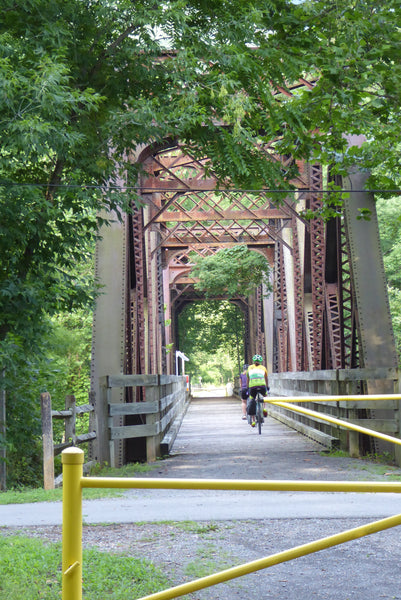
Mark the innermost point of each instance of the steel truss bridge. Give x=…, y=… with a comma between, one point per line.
x=329, y=309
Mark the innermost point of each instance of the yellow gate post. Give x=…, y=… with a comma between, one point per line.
x=72, y=460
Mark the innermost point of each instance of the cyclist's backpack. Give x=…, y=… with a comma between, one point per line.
x=251, y=408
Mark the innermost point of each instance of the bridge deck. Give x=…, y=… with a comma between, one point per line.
x=214, y=442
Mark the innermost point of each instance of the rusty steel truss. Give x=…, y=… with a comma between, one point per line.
x=329, y=306
x=184, y=215
x=316, y=318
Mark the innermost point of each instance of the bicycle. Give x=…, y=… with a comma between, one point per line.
x=259, y=411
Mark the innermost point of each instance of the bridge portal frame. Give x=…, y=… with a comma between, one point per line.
x=329, y=308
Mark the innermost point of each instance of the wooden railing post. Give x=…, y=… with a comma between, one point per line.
x=353, y=436
x=70, y=422
x=153, y=442
x=47, y=437
x=102, y=422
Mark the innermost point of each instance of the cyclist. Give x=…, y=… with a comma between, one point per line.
x=244, y=389
x=257, y=380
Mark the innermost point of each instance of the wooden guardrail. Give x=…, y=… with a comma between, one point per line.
x=384, y=417
x=69, y=414
x=158, y=414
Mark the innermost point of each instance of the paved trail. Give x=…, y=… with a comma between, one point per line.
x=214, y=443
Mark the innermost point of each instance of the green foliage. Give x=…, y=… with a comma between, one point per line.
x=389, y=217
x=231, y=272
x=215, y=369
x=69, y=356
x=395, y=309
x=61, y=366
x=211, y=334
x=32, y=569
x=24, y=428
x=23, y=495
x=82, y=78
x=82, y=84
x=28, y=495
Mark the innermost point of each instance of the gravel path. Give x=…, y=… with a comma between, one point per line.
x=365, y=569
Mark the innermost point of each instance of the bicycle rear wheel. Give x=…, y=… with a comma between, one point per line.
x=259, y=414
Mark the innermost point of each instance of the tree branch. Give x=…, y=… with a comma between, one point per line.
x=55, y=180
x=111, y=47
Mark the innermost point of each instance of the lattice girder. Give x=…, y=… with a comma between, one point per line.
x=318, y=263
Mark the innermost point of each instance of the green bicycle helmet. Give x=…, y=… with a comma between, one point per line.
x=257, y=358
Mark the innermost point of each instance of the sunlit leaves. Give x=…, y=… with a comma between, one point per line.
x=231, y=272
x=211, y=335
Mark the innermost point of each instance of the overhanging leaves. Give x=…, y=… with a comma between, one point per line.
x=231, y=272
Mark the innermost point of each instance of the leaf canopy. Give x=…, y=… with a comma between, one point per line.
x=231, y=272
x=84, y=83
x=211, y=335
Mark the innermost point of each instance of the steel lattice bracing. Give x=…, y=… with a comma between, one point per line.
x=324, y=295
x=315, y=315
x=193, y=218
x=317, y=307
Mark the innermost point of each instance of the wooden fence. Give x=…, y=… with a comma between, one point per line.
x=158, y=415
x=381, y=416
x=50, y=449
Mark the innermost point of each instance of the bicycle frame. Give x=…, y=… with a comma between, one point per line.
x=259, y=411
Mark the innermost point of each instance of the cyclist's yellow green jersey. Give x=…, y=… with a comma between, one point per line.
x=256, y=374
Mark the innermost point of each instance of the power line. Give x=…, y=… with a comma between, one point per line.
x=126, y=188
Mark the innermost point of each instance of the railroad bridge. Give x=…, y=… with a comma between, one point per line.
x=326, y=328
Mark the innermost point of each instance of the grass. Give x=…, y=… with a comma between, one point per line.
x=129, y=470
x=198, y=528
x=335, y=452
x=25, y=495
x=31, y=569
x=374, y=465
x=380, y=470
x=209, y=560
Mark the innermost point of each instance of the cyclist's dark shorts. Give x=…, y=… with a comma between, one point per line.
x=245, y=393
x=258, y=388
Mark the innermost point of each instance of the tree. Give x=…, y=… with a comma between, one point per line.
x=358, y=92
x=389, y=216
x=231, y=272
x=61, y=367
x=211, y=334
x=84, y=82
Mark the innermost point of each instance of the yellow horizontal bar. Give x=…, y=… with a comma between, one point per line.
x=359, y=398
x=242, y=484
x=341, y=422
x=274, y=559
